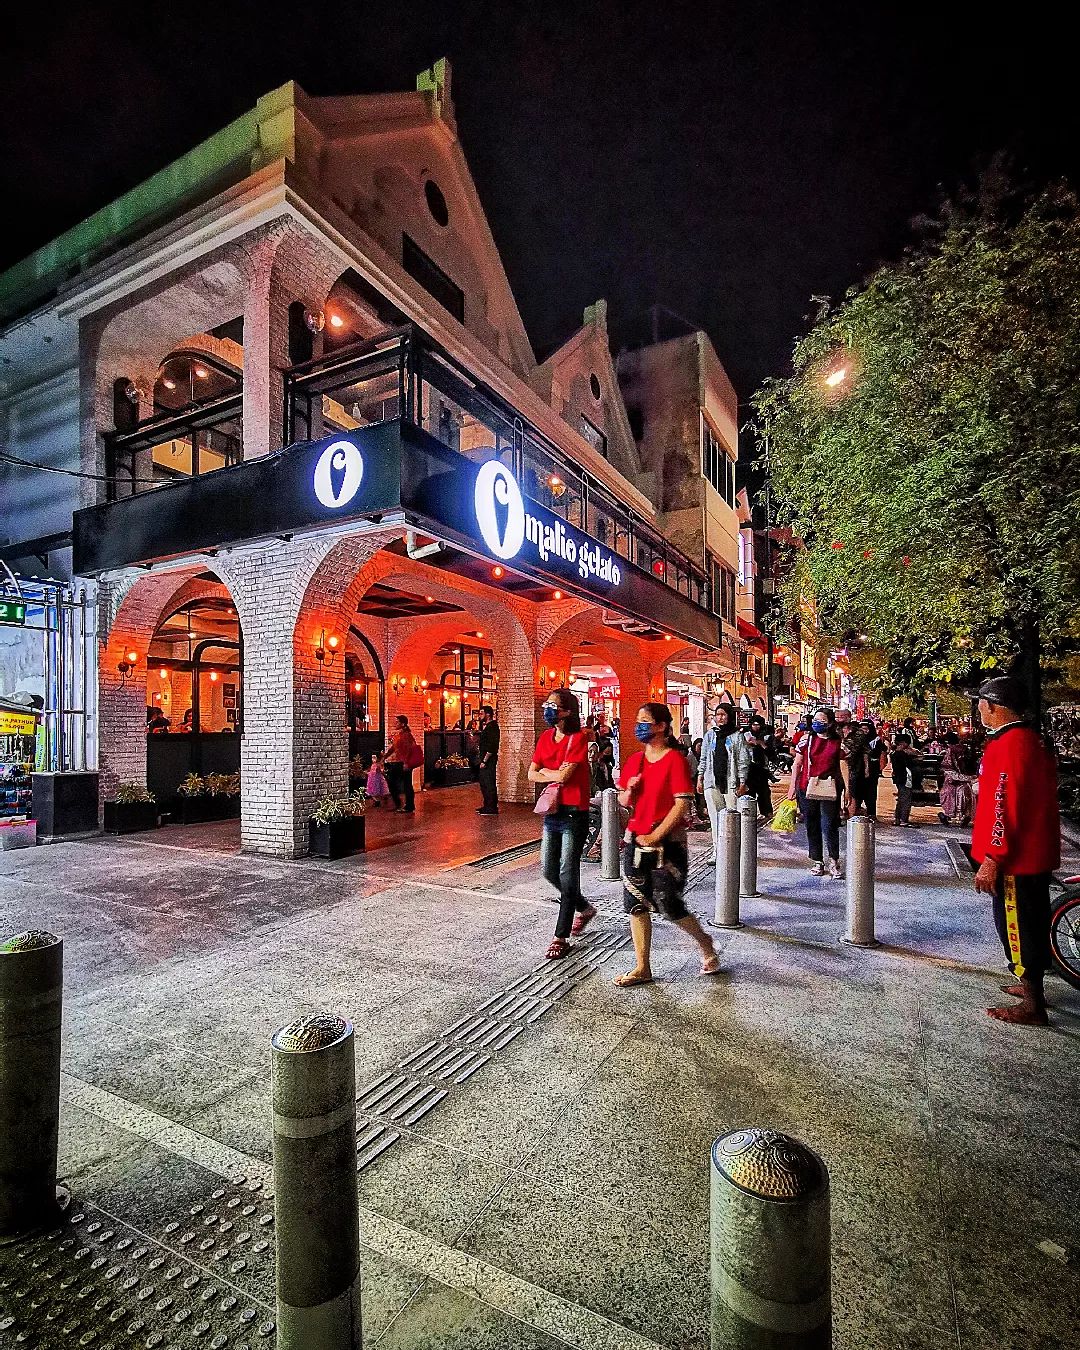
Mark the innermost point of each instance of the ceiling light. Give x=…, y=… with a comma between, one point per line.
x=556, y=595
x=498, y=572
x=169, y=384
x=336, y=321
x=201, y=373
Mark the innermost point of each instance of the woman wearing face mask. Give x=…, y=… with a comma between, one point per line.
x=562, y=756
x=818, y=760
x=657, y=789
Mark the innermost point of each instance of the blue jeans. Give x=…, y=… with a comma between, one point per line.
x=561, y=846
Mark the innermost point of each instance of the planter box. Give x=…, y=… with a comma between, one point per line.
x=130, y=817
x=190, y=810
x=339, y=839
x=18, y=834
x=452, y=777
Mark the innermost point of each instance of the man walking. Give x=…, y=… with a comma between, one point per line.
x=724, y=768
x=489, y=761
x=1016, y=839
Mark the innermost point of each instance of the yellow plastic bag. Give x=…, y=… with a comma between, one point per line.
x=783, y=821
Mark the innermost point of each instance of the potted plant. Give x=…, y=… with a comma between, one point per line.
x=223, y=795
x=336, y=827
x=192, y=800
x=132, y=809
x=453, y=770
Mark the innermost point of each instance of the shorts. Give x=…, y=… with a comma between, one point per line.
x=654, y=882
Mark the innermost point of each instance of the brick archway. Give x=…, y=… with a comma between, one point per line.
x=135, y=607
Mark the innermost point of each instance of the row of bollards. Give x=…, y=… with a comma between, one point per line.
x=736, y=872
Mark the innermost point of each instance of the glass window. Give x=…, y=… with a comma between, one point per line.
x=594, y=436
x=716, y=464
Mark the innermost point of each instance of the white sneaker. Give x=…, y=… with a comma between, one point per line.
x=818, y=870
x=836, y=871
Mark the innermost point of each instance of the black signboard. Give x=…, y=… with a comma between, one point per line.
x=365, y=473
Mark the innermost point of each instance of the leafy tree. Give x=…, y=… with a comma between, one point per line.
x=927, y=446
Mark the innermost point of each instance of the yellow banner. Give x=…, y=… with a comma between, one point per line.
x=17, y=723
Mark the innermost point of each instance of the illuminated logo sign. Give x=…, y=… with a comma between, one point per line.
x=506, y=527
x=338, y=474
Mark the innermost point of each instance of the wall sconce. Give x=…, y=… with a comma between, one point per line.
x=416, y=684
x=327, y=648
x=423, y=684
x=541, y=678
x=126, y=666
x=214, y=677
x=357, y=686
x=556, y=485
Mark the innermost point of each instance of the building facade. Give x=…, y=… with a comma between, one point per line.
x=305, y=457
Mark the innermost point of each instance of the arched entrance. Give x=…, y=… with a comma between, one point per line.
x=194, y=706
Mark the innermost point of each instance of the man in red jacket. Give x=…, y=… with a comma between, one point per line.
x=1016, y=839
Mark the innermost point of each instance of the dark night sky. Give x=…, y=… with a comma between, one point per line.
x=728, y=161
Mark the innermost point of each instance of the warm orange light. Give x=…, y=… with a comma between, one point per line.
x=336, y=321
x=556, y=595
x=498, y=572
x=332, y=642
x=214, y=677
x=430, y=599
x=429, y=703
x=163, y=673
x=169, y=384
x=667, y=637
x=479, y=634
x=423, y=685
x=554, y=481
x=357, y=686
x=133, y=657
x=836, y=377
x=201, y=373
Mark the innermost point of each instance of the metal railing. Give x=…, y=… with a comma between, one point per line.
x=178, y=445
x=403, y=374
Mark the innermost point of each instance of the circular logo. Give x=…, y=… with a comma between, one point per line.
x=500, y=512
x=338, y=474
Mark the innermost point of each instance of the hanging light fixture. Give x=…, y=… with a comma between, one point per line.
x=126, y=666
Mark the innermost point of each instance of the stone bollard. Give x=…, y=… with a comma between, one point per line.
x=610, y=835
x=31, y=1010
x=316, y=1212
x=728, y=866
x=748, y=848
x=770, y=1270
x=860, y=883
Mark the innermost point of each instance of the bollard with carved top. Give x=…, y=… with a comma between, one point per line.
x=770, y=1231
x=31, y=1009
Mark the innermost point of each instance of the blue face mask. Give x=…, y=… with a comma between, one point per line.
x=643, y=731
x=820, y=727
x=551, y=715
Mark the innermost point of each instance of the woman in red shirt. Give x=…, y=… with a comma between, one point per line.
x=818, y=757
x=658, y=790
x=562, y=756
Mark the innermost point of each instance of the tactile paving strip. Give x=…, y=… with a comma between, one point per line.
x=97, y=1281
x=399, y=1098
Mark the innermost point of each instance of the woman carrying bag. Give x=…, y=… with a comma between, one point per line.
x=561, y=763
x=816, y=775
x=658, y=790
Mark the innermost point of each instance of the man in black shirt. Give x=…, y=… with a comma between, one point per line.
x=489, y=761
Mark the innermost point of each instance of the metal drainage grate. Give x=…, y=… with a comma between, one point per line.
x=505, y=855
x=419, y=1082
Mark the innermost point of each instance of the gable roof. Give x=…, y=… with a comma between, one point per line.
x=564, y=381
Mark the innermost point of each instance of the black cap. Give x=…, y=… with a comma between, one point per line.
x=1006, y=691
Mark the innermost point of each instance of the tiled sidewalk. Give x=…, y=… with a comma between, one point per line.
x=558, y=1195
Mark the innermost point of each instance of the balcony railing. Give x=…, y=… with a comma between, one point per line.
x=180, y=445
x=404, y=375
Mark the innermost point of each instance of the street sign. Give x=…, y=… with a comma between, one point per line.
x=13, y=611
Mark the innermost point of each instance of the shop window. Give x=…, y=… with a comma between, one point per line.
x=433, y=279
x=723, y=579
x=716, y=464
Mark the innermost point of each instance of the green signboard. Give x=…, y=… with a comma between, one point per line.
x=13, y=611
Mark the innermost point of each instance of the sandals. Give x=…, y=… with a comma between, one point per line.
x=583, y=918
x=710, y=965
x=558, y=949
x=630, y=978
